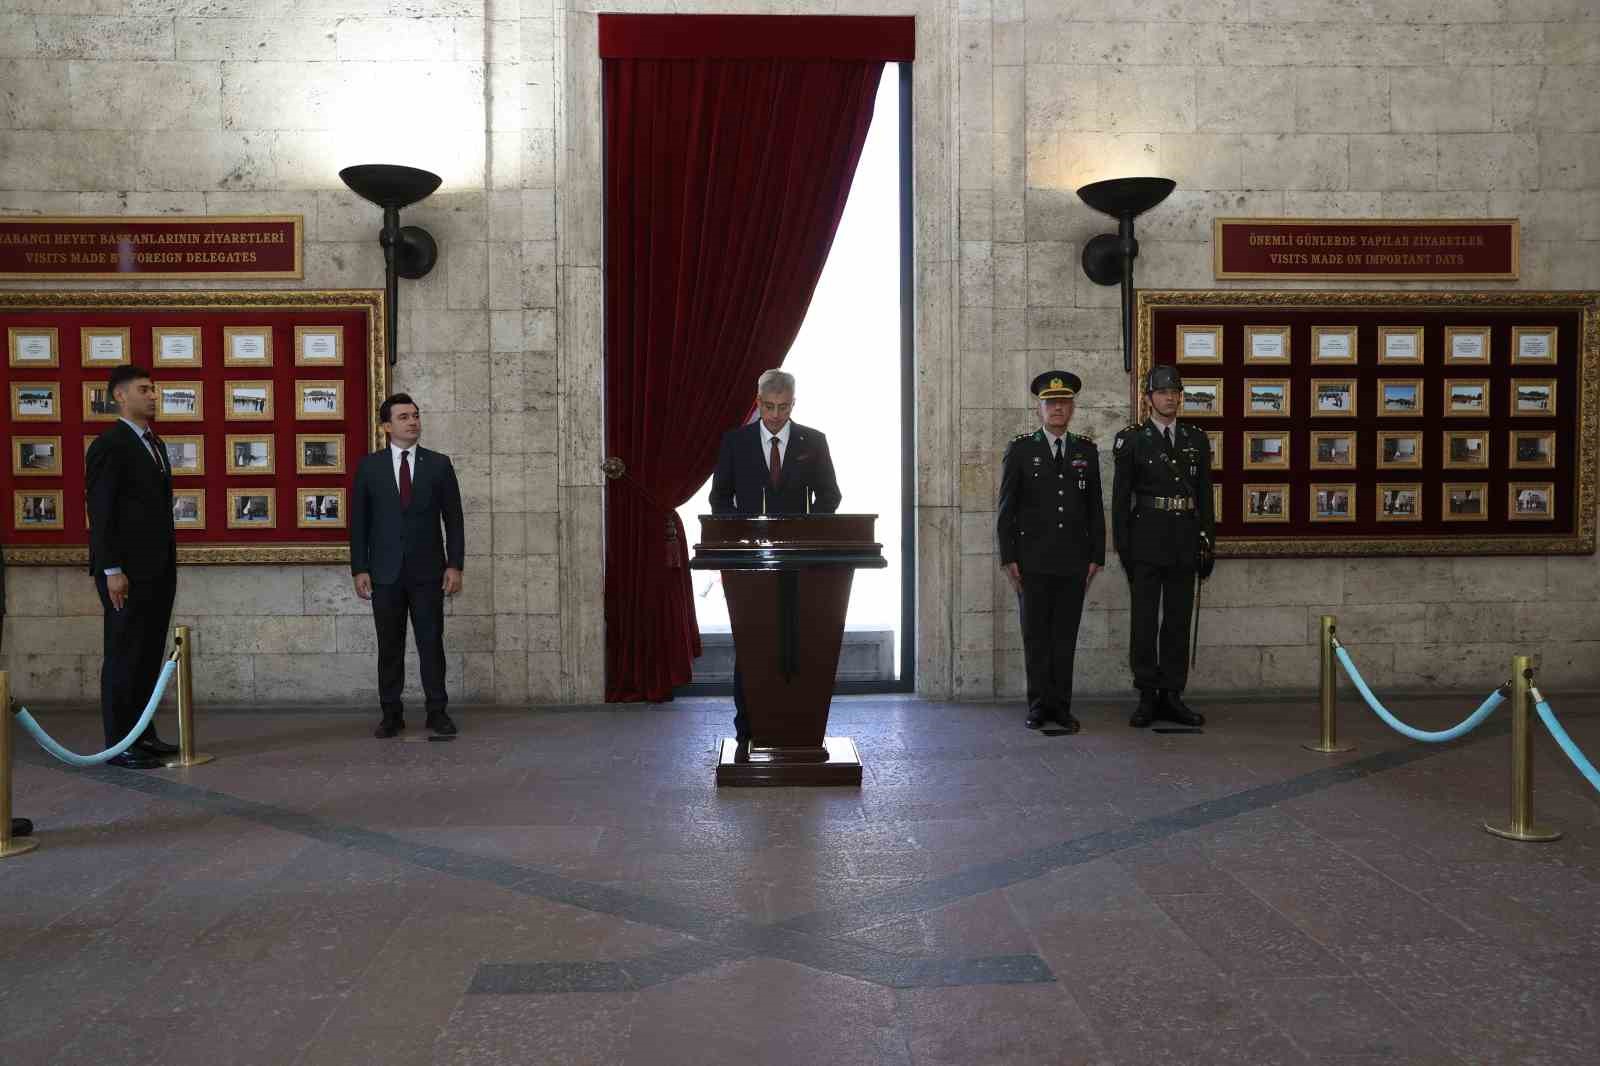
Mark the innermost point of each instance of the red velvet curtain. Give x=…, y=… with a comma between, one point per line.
x=725, y=181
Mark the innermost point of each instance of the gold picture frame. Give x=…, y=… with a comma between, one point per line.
x=180, y=401
x=325, y=500
x=1325, y=390
x=1397, y=501
x=1456, y=394
x=1214, y=446
x=1267, y=346
x=1199, y=344
x=1257, y=393
x=1265, y=502
x=1468, y=345
x=35, y=456
x=35, y=401
x=1534, y=345
x=38, y=509
x=1216, y=502
x=188, y=517
x=1331, y=502
x=1263, y=457
x=168, y=343
x=1399, y=457
x=1464, y=449
x=98, y=406
x=1520, y=393
x=255, y=397
x=312, y=451
x=1541, y=456
x=1400, y=345
x=1320, y=457
x=1394, y=404
x=311, y=400
x=1334, y=346
x=243, y=512
x=94, y=341
x=319, y=346
x=247, y=346
x=186, y=444
x=250, y=455
x=33, y=347
x=1452, y=495
x=1530, y=501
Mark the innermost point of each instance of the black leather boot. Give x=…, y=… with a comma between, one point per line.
x=1173, y=709
x=1145, y=713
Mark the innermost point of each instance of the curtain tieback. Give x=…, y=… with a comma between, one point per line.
x=617, y=470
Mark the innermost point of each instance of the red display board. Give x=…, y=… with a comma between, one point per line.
x=1351, y=423
x=1370, y=249
x=267, y=401
x=237, y=246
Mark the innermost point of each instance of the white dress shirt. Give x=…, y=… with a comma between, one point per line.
x=782, y=437
x=1052, y=440
x=395, y=452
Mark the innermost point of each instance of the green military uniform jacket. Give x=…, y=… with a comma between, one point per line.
x=1143, y=466
x=1051, y=521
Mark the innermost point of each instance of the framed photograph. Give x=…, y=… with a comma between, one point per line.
x=318, y=346
x=1531, y=501
x=98, y=406
x=35, y=401
x=1266, y=503
x=1214, y=442
x=180, y=401
x=36, y=456
x=1533, y=397
x=105, y=346
x=1266, y=451
x=251, y=509
x=1216, y=502
x=1467, y=397
x=1531, y=449
x=318, y=453
x=37, y=509
x=189, y=508
x=319, y=508
x=1333, y=450
x=175, y=346
x=1266, y=344
x=1466, y=449
x=249, y=454
x=1333, y=397
x=1399, y=450
x=1468, y=345
x=1463, y=501
x=1399, y=501
x=1266, y=397
x=35, y=346
x=1333, y=345
x=1400, y=397
x=1333, y=503
x=1533, y=344
x=247, y=401
x=314, y=400
x=88, y=441
x=1199, y=344
x=1400, y=344
x=186, y=456
x=247, y=346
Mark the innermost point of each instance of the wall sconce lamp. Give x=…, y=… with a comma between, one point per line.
x=408, y=251
x=1108, y=258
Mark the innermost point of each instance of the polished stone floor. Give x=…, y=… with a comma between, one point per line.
x=566, y=887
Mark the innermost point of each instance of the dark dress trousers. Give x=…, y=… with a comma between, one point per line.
x=1051, y=522
x=742, y=485
x=405, y=551
x=1159, y=546
x=129, y=494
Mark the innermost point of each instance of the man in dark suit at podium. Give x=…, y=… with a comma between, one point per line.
x=773, y=466
x=133, y=555
x=403, y=497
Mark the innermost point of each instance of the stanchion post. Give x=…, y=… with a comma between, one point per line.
x=8, y=847
x=186, y=754
x=1328, y=742
x=1521, y=825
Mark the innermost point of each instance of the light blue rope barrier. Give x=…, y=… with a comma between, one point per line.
x=1566, y=743
x=1467, y=725
x=48, y=743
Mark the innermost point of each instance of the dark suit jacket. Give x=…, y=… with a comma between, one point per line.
x=388, y=542
x=130, y=506
x=741, y=484
x=1145, y=467
x=1051, y=521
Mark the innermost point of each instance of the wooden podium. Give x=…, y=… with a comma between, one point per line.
x=787, y=581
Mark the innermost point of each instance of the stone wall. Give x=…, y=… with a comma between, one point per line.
x=1318, y=107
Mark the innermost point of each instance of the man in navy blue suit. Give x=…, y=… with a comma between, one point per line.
x=772, y=466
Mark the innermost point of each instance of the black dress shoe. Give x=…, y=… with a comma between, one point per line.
x=134, y=759
x=1036, y=717
x=1145, y=713
x=154, y=745
x=440, y=723
x=1174, y=709
x=21, y=827
x=1067, y=722
x=392, y=725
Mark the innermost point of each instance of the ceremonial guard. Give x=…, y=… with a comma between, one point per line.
x=1163, y=527
x=1052, y=532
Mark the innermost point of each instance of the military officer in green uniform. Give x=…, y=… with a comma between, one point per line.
x=1162, y=525
x=1052, y=533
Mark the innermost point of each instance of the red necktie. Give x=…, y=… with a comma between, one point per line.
x=775, y=464
x=405, y=479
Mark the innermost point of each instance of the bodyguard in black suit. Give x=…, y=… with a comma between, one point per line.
x=772, y=466
x=133, y=555
x=1163, y=526
x=1052, y=531
x=407, y=549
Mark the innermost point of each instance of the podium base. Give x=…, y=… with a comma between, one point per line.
x=777, y=766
